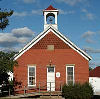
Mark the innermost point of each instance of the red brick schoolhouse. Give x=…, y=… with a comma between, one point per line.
x=50, y=59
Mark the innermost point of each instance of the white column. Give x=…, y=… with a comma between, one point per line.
x=55, y=18
x=45, y=22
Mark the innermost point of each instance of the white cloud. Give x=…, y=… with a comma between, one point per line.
x=89, y=40
x=70, y=2
x=88, y=34
x=39, y=12
x=23, y=39
x=84, y=10
x=25, y=31
x=20, y=14
x=16, y=39
x=29, y=1
x=66, y=12
x=91, y=50
x=88, y=15
x=6, y=36
x=25, y=13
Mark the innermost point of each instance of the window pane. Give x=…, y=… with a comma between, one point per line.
x=70, y=82
x=31, y=75
x=31, y=69
x=31, y=80
x=50, y=69
x=70, y=69
x=70, y=75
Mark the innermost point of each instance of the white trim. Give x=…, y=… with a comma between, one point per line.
x=28, y=75
x=58, y=34
x=73, y=73
x=50, y=11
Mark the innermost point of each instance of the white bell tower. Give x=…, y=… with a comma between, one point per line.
x=50, y=17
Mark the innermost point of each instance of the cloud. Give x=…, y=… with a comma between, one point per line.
x=22, y=32
x=7, y=39
x=25, y=13
x=88, y=40
x=70, y=2
x=20, y=14
x=91, y=50
x=23, y=39
x=38, y=12
x=88, y=15
x=84, y=10
x=16, y=39
x=88, y=36
x=66, y=12
x=29, y=1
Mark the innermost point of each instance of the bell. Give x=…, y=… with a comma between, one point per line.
x=50, y=20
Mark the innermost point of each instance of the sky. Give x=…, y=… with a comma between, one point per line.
x=79, y=20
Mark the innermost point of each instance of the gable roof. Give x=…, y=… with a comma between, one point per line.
x=50, y=8
x=58, y=34
x=95, y=72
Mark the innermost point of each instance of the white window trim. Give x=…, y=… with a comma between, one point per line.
x=28, y=75
x=73, y=73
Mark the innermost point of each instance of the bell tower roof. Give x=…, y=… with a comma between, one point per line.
x=50, y=8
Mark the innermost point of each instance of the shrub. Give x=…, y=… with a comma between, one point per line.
x=77, y=91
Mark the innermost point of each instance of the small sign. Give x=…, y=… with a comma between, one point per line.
x=58, y=74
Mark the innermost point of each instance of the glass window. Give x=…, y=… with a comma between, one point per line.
x=50, y=69
x=31, y=75
x=70, y=74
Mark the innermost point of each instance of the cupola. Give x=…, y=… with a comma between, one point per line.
x=50, y=17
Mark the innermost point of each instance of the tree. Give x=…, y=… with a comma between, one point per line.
x=6, y=64
x=4, y=22
x=90, y=68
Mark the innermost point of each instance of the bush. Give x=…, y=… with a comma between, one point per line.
x=77, y=91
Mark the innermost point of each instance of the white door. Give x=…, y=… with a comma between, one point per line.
x=50, y=78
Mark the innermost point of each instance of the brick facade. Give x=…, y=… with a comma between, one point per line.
x=61, y=56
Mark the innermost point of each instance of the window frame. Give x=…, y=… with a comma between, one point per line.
x=67, y=73
x=34, y=66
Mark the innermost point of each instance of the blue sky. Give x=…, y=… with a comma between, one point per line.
x=79, y=20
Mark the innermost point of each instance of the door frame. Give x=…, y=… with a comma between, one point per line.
x=51, y=72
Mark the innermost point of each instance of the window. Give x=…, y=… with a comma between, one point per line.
x=70, y=74
x=50, y=69
x=31, y=75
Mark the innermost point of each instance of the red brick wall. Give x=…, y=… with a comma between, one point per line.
x=40, y=56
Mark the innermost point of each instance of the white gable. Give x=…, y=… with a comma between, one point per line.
x=58, y=34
